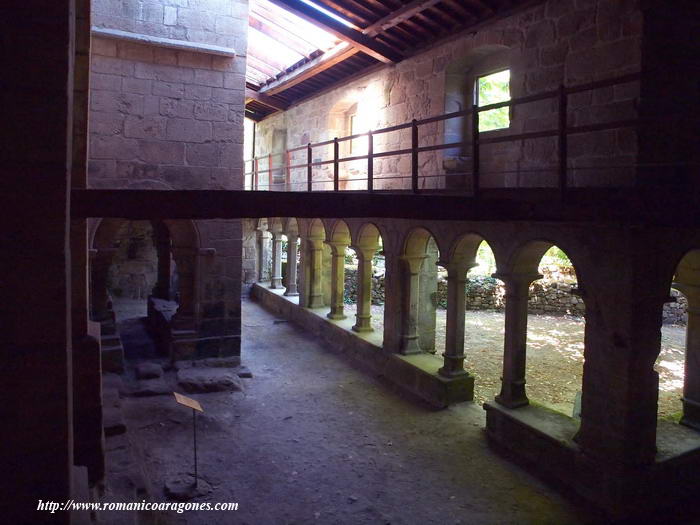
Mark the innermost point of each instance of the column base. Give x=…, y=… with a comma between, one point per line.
x=360, y=329
x=336, y=316
x=291, y=294
x=449, y=373
x=276, y=284
x=512, y=403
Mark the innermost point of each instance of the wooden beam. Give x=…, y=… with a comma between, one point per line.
x=267, y=100
x=400, y=15
x=310, y=69
x=633, y=206
x=370, y=46
x=297, y=45
x=264, y=67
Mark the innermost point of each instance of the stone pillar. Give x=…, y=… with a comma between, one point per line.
x=337, y=280
x=276, y=277
x=691, y=384
x=162, y=287
x=515, y=343
x=291, y=277
x=186, y=260
x=456, y=308
x=100, y=262
x=315, y=250
x=409, y=328
x=363, y=317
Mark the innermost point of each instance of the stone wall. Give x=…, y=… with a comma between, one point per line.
x=163, y=118
x=558, y=42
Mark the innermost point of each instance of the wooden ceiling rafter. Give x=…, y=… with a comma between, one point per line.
x=404, y=26
x=282, y=24
x=295, y=44
x=370, y=46
x=394, y=18
x=266, y=100
x=311, y=68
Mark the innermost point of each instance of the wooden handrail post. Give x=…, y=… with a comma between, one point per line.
x=269, y=172
x=256, y=169
x=475, y=151
x=370, y=161
x=288, y=171
x=336, y=165
x=414, y=155
x=309, y=168
x=563, y=146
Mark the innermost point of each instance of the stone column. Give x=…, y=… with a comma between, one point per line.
x=514, y=348
x=100, y=261
x=291, y=277
x=276, y=277
x=456, y=308
x=337, y=280
x=409, y=328
x=691, y=384
x=162, y=287
x=315, y=273
x=363, y=317
x=186, y=260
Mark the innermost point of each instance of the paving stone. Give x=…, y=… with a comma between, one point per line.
x=151, y=387
x=209, y=380
x=244, y=371
x=149, y=370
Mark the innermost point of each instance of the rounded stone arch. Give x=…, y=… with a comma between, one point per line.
x=339, y=232
x=182, y=243
x=290, y=226
x=416, y=241
x=368, y=235
x=526, y=256
x=316, y=229
x=686, y=268
x=275, y=224
x=465, y=247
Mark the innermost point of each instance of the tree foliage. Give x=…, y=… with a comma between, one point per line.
x=492, y=89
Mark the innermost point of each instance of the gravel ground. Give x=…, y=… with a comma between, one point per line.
x=554, y=358
x=314, y=440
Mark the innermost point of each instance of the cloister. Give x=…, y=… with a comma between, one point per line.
x=193, y=156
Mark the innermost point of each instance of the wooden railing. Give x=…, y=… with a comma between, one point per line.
x=260, y=174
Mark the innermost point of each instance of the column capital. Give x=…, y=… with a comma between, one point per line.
x=337, y=248
x=414, y=262
x=315, y=244
x=365, y=252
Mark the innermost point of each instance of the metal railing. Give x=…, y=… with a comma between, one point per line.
x=260, y=176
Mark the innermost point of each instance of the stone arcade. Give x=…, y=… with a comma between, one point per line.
x=124, y=123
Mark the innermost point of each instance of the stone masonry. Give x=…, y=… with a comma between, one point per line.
x=163, y=118
x=558, y=42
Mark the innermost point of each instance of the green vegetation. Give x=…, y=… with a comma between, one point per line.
x=492, y=89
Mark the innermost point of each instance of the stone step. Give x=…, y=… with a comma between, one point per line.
x=113, y=359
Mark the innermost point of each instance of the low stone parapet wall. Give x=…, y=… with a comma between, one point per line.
x=415, y=375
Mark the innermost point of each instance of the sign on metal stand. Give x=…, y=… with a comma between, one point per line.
x=195, y=406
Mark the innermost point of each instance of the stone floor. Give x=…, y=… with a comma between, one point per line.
x=313, y=440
